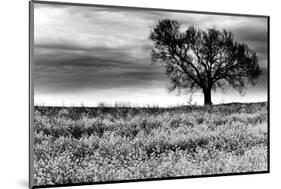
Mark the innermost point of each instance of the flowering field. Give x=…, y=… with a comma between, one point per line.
x=79, y=144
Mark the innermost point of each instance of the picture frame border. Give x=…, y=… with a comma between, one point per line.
x=31, y=91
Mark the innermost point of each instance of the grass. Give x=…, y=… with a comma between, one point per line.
x=74, y=145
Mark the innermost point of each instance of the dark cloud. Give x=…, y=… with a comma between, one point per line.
x=249, y=33
x=68, y=70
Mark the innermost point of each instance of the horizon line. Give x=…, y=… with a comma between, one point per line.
x=144, y=106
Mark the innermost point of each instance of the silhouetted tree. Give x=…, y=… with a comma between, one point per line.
x=197, y=59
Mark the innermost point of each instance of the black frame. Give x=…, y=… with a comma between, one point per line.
x=31, y=91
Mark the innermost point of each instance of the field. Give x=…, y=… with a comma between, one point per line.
x=79, y=144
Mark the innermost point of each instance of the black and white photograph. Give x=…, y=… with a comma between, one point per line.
x=122, y=94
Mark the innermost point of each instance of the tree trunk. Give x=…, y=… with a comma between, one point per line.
x=207, y=97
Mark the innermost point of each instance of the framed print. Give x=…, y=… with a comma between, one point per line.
x=123, y=94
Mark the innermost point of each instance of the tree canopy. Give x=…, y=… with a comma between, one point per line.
x=206, y=60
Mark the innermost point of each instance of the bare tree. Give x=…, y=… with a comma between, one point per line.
x=206, y=60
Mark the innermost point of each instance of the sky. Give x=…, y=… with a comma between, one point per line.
x=88, y=55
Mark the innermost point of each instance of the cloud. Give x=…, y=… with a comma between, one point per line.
x=68, y=70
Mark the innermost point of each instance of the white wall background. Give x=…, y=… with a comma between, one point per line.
x=14, y=93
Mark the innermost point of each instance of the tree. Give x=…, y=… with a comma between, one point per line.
x=206, y=60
